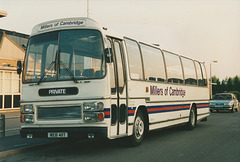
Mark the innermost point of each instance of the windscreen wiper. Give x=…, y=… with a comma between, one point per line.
x=43, y=76
x=68, y=72
x=49, y=67
x=59, y=63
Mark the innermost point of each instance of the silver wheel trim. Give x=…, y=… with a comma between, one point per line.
x=138, y=127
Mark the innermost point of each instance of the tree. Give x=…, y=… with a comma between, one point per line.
x=216, y=88
x=223, y=87
x=236, y=83
x=229, y=84
x=236, y=87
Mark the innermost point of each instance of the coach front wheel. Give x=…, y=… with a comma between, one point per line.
x=138, y=130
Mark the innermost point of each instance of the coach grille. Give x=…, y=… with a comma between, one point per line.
x=59, y=112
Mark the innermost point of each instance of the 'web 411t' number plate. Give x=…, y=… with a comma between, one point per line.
x=57, y=135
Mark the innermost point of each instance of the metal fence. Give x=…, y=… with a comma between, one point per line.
x=3, y=129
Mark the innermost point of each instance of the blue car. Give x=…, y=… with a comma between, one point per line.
x=224, y=101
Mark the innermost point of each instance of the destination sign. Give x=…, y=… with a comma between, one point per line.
x=62, y=24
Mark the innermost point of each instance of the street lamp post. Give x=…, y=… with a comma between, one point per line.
x=87, y=8
x=213, y=61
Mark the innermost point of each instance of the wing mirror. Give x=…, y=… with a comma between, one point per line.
x=108, y=55
x=19, y=67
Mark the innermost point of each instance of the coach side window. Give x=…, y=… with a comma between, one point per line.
x=174, y=68
x=205, y=82
x=153, y=63
x=119, y=63
x=112, y=72
x=134, y=59
x=199, y=73
x=189, y=71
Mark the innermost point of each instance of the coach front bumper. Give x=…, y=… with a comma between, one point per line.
x=65, y=132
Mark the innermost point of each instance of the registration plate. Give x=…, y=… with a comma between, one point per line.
x=57, y=135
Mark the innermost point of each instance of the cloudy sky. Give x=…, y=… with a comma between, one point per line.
x=205, y=30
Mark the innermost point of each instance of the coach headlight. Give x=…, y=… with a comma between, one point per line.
x=27, y=109
x=93, y=106
x=28, y=118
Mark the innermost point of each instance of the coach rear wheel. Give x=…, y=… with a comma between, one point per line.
x=192, y=119
x=138, y=130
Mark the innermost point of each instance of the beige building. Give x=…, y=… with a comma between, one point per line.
x=3, y=13
x=11, y=51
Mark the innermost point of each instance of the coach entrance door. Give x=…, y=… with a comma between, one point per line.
x=119, y=111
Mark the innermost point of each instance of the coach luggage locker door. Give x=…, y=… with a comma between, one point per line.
x=119, y=111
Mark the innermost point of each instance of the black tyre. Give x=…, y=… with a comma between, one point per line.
x=192, y=122
x=232, y=110
x=138, y=130
x=237, y=109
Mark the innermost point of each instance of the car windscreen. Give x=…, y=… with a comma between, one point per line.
x=222, y=97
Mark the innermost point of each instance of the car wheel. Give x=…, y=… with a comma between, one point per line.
x=232, y=110
x=237, y=109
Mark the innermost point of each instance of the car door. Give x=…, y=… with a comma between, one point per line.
x=235, y=102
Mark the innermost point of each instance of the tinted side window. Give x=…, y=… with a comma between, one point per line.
x=153, y=63
x=189, y=71
x=134, y=60
x=205, y=82
x=199, y=74
x=112, y=72
x=174, y=68
x=119, y=63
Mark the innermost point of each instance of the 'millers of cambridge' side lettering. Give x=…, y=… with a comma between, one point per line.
x=154, y=90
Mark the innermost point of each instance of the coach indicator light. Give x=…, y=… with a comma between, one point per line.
x=93, y=116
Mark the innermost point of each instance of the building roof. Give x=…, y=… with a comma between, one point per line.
x=11, y=49
x=3, y=13
x=18, y=38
